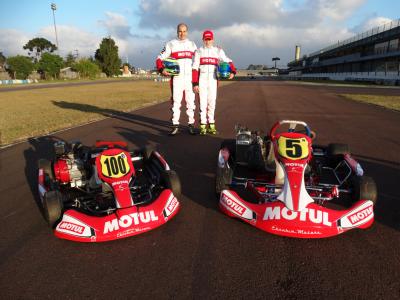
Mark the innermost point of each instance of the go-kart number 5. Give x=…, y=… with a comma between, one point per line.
x=114, y=166
x=293, y=148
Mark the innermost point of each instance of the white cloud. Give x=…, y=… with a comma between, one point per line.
x=12, y=41
x=370, y=23
x=71, y=38
x=250, y=31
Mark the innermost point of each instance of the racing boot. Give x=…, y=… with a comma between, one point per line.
x=203, y=129
x=191, y=129
x=212, y=130
x=174, y=130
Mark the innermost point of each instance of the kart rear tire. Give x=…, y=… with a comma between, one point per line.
x=47, y=168
x=364, y=188
x=223, y=179
x=52, y=207
x=171, y=181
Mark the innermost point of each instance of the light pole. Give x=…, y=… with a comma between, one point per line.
x=275, y=59
x=53, y=8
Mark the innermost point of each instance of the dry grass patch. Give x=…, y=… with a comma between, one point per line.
x=36, y=112
x=391, y=102
x=27, y=113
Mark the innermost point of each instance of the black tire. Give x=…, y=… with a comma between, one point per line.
x=337, y=149
x=47, y=168
x=147, y=151
x=223, y=179
x=52, y=207
x=364, y=188
x=171, y=181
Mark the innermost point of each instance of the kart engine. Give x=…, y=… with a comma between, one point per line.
x=68, y=167
x=250, y=148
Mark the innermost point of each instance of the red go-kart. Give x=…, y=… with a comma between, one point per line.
x=283, y=184
x=102, y=193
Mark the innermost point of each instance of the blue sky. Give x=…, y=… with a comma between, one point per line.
x=250, y=31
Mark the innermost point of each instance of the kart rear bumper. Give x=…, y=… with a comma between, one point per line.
x=124, y=222
x=314, y=221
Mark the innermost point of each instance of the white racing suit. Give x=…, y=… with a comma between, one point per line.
x=181, y=85
x=205, y=66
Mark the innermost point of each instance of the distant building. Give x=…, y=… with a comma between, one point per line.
x=374, y=54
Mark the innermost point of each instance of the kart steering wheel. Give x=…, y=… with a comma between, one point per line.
x=292, y=127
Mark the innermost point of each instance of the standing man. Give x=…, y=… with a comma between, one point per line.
x=206, y=60
x=183, y=50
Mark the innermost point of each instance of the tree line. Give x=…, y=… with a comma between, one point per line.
x=42, y=58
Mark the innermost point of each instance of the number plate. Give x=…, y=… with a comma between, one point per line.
x=114, y=166
x=291, y=148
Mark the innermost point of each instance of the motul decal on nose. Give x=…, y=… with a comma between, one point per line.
x=235, y=206
x=358, y=216
x=73, y=226
x=308, y=214
x=129, y=220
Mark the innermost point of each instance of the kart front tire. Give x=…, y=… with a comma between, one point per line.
x=364, y=188
x=171, y=181
x=52, y=207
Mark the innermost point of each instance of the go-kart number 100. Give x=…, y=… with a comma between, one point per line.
x=293, y=148
x=114, y=166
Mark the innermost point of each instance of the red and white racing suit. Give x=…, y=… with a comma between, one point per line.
x=205, y=66
x=183, y=51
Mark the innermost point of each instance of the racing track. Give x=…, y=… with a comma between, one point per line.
x=202, y=253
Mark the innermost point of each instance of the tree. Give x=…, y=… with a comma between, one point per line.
x=69, y=60
x=87, y=68
x=50, y=65
x=107, y=57
x=2, y=60
x=37, y=46
x=20, y=67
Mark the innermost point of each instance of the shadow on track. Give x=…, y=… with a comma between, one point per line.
x=156, y=124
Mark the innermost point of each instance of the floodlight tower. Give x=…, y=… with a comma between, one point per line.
x=54, y=8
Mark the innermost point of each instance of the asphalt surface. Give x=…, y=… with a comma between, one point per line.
x=202, y=253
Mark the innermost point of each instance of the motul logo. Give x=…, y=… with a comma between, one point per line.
x=236, y=207
x=174, y=203
x=208, y=60
x=294, y=165
x=308, y=214
x=361, y=215
x=129, y=220
x=71, y=227
x=185, y=54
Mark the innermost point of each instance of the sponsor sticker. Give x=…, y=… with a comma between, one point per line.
x=358, y=216
x=129, y=220
x=235, y=206
x=306, y=215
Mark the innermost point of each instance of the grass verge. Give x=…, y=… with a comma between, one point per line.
x=28, y=113
x=390, y=102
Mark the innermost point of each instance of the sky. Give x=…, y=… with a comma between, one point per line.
x=250, y=31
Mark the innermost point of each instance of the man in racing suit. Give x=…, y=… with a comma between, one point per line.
x=183, y=50
x=206, y=60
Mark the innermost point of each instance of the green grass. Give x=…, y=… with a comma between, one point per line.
x=390, y=102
